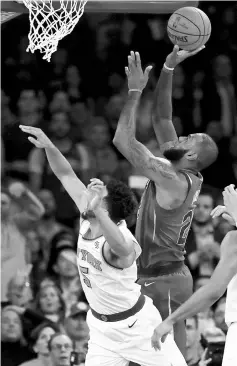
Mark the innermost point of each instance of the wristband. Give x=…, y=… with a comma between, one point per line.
x=135, y=90
x=168, y=68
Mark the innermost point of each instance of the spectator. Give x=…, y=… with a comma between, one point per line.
x=222, y=105
x=193, y=350
x=41, y=176
x=13, y=346
x=48, y=226
x=60, y=348
x=59, y=103
x=19, y=292
x=202, y=247
x=219, y=315
x=17, y=148
x=99, y=156
x=76, y=326
x=65, y=270
x=20, y=209
x=50, y=304
x=73, y=83
x=40, y=338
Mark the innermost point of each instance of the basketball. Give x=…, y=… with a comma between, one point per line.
x=189, y=28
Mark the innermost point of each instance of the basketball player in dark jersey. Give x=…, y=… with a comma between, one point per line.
x=167, y=205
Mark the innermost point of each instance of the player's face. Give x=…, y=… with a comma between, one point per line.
x=41, y=346
x=183, y=145
x=202, y=212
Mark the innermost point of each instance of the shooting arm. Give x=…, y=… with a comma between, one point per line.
x=64, y=172
x=210, y=293
x=138, y=155
x=162, y=109
x=113, y=235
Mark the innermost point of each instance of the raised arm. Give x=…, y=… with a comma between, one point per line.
x=154, y=168
x=59, y=165
x=118, y=244
x=206, y=295
x=31, y=209
x=162, y=100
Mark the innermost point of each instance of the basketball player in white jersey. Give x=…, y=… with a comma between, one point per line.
x=121, y=319
x=224, y=276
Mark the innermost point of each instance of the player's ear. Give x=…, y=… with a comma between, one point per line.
x=191, y=155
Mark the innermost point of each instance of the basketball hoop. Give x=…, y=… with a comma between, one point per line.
x=48, y=25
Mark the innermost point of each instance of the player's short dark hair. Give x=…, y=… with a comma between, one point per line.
x=208, y=152
x=121, y=200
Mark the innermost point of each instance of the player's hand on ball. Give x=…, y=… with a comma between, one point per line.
x=137, y=78
x=160, y=334
x=98, y=189
x=41, y=141
x=177, y=56
x=17, y=189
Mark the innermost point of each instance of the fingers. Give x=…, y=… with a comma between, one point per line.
x=147, y=70
x=31, y=130
x=192, y=53
x=35, y=142
x=217, y=211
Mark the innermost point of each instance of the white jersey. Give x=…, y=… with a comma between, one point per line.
x=108, y=290
x=231, y=301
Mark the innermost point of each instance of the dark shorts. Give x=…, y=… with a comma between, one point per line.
x=169, y=291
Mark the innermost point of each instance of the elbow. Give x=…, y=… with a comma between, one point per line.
x=216, y=291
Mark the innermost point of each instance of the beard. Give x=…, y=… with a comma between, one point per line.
x=88, y=215
x=174, y=154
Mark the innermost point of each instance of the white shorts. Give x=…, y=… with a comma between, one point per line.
x=230, y=354
x=117, y=343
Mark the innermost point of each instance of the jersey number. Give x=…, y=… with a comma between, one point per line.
x=86, y=280
x=186, y=223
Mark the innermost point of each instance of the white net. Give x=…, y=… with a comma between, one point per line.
x=48, y=25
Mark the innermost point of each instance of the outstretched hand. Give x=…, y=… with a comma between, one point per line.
x=137, y=78
x=177, y=56
x=160, y=334
x=230, y=201
x=41, y=141
x=222, y=211
x=98, y=188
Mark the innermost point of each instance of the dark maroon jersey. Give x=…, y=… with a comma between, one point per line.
x=162, y=233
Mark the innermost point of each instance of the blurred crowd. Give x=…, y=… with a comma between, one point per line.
x=77, y=99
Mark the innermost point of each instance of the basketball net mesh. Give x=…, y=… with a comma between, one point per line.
x=49, y=25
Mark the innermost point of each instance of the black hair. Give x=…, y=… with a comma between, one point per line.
x=34, y=335
x=120, y=200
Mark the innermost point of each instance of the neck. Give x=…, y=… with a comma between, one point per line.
x=95, y=228
x=45, y=360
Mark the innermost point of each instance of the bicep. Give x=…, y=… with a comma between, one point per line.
x=164, y=130
x=76, y=189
